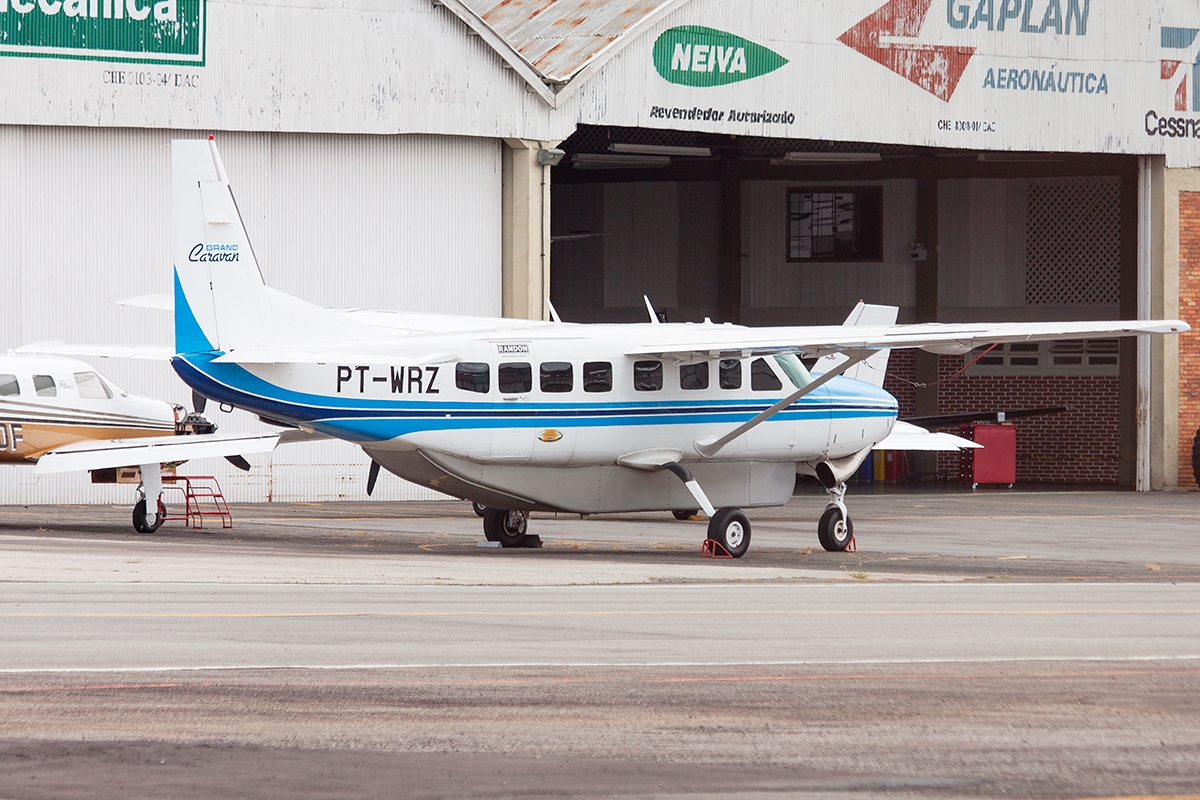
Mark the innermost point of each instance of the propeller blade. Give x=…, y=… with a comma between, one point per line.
x=372, y=476
x=239, y=462
x=199, y=401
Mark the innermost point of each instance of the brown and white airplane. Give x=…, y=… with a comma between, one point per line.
x=64, y=416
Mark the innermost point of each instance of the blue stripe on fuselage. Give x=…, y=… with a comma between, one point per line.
x=379, y=420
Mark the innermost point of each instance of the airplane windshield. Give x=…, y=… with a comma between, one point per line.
x=797, y=373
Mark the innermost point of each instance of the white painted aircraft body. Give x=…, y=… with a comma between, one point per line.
x=521, y=416
x=64, y=416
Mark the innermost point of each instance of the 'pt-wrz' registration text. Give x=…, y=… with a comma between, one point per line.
x=403, y=380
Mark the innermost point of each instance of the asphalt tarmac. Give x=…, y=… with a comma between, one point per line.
x=987, y=644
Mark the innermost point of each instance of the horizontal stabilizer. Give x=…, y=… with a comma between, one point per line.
x=142, y=352
x=109, y=453
x=909, y=437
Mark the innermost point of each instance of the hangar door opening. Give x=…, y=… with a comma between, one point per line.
x=764, y=231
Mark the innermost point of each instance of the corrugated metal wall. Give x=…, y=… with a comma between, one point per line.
x=405, y=222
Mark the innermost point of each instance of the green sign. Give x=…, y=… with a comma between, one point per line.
x=137, y=31
x=692, y=55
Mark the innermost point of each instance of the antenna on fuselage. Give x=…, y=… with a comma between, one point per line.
x=553, y=312
x=654, y=320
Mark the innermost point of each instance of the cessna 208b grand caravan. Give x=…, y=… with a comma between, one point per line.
x=65, y=417
x=523, y=416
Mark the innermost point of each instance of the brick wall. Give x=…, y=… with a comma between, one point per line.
x=1189, y=343
x=1077, y=446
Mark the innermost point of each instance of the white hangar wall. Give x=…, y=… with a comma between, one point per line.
x=409, y=222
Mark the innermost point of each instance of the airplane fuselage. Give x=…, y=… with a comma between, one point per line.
x=48, y=403
x=552, y=417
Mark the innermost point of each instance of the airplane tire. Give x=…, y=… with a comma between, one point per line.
x=478, y=508
x=834, y=537
x=139, y=517
x=506, y=527
x=730, y=528
x=682, y=515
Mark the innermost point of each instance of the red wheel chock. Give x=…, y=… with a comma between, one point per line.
x=852, y=545
x=713, y=549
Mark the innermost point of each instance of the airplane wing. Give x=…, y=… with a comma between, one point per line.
x=699, y=341
x=147, y=353
x=107, y=453
x=905, y=436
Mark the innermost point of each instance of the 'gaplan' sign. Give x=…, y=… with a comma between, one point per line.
x=692, y=55
x=138, y=31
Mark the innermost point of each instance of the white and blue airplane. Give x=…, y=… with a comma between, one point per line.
x=522, y=416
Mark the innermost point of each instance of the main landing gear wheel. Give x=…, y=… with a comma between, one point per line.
x=833, y=532
x=479, y=508
x=139, y=517
x=506, y=527
x=730, y=528
x=682, y=515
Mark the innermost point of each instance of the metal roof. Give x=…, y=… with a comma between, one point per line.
x=557, y=41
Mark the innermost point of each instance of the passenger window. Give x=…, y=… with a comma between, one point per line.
x=44, y=386
x=9, y=386
x=647, y=376
x=597, y=376
x=473, y=376
x=693, y=376
x=515, y=378
x=763, y=378
x=556, y=376
x=731, y=373
x=91, y=387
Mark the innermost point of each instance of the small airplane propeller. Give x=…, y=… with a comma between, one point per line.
x=240, y=462
x=372, y=476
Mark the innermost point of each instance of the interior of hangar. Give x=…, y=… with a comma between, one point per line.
x=766, y=231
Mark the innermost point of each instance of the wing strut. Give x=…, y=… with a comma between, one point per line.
x=709, y=446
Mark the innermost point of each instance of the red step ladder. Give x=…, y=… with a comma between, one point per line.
x=201, y=498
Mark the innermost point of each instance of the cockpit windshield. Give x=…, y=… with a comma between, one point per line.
x=794, y=368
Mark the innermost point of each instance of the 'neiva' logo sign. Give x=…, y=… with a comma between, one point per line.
x=137, y=31
x=692, y=55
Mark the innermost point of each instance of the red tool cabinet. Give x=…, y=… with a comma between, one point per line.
x=996, y=462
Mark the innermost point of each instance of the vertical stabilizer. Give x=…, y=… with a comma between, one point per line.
x=221, y=300
x=874, y=368
x=219, y=291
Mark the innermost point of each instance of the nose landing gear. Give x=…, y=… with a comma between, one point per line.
x=835, y=531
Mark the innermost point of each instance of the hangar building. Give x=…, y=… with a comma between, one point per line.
x=764, y=163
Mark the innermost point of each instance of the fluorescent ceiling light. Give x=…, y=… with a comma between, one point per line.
x=829, y=158
x=1021, y=157
x=660, y=150
x=606, y=161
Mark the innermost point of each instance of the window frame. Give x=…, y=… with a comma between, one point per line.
x=589, y=381
x=660, y=372
x=487, y=373
x=41, y=391
x=510, y=365
x=876, y=193
x=703, y=369
x=569, y=372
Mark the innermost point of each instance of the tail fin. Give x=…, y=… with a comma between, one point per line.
x=873, y=369
x=221, y=300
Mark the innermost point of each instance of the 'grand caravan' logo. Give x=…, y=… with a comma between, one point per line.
x=691, y=55
x=137, y=31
